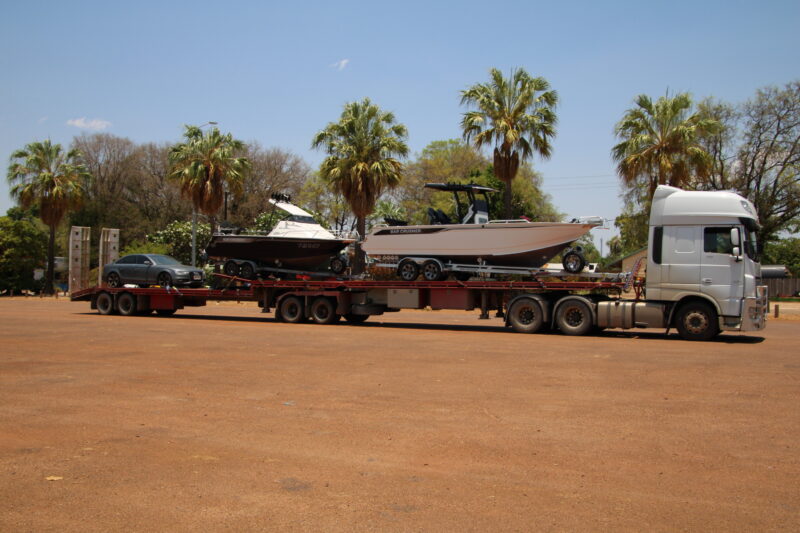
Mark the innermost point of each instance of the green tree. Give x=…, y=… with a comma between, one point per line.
x=23, y=248
x=43, y=175
x=660, y=144
x=516, y=115
x=177, y=237
x=362, y=149
x=206, y=165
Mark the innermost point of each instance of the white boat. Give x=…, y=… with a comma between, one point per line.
x=476, y=240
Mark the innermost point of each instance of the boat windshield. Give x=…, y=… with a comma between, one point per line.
x=301, y=218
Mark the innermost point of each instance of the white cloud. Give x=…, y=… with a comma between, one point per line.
x=341, y=64
x=95, y=124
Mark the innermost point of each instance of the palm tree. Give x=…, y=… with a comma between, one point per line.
x=362, y=149
x=43, y=175
x=206, y=165
x=516, y=115
x=661, y=143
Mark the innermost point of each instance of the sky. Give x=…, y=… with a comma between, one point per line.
x=277, y=72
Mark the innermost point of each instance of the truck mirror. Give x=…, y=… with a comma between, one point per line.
x=735, y=238
x=737, y=253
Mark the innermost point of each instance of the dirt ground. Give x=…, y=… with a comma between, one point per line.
x=220, y=418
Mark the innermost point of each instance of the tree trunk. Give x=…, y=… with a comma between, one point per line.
x=51, y=259
x=507, y=201
x=359, y=260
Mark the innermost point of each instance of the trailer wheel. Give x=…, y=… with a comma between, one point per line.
x=525, y=316
x=231, y=268
x=573, y=261
x=355, y=318
x=113, y=280
x=574, y=317
x=432, y=270
x=105, y=303
x=697, y=321
x=338, y=264
x=408, y=270
x=247, y=271
x=126, y=303
x=292, y=310
x=323, y=311
x=165, y=312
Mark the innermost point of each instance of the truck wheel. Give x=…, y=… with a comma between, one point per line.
x=338, y=264
x=355, y=318
x=525, y=316
x=105, y=303
x=432, y=270
x=323, y=311
x=408, y=270
x=113, y=280
x=126, y=303
x=231, y=268
x=574, y=317
x=697, y=321
x=573, y=261
x=292, y=310
x=247, y=271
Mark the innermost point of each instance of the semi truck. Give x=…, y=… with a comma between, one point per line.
x=702, y=277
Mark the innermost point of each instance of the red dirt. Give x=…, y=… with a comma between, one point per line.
x=220, y=418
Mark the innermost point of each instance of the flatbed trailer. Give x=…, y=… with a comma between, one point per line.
x=570, y=304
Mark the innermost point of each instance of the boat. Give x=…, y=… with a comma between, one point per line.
x=297, y=242
x=474, y=239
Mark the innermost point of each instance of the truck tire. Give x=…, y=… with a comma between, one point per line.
x=323, y=311
x=574, y=317
x=292, y=310
x=355, y=318
x=525, y=316
x=408, y=270
x=105, y=303
x=126, y=303
x=697, y=321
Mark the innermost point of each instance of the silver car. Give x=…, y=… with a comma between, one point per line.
x=151, y=269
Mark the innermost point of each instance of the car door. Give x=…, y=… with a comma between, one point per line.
x=145, y=270
x=721, y=273
x=127, y=268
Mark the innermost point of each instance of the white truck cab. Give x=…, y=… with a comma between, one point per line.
x=703, y=258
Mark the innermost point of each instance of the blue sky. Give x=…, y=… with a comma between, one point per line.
x=276, y=72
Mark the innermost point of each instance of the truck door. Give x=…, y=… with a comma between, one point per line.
x=721, y=273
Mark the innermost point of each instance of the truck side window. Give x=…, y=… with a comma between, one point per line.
x=717, y=240
x=658, y=243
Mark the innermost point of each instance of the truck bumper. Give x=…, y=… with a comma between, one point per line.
x=754, y=313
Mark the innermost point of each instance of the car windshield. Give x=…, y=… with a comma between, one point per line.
x=164, y=260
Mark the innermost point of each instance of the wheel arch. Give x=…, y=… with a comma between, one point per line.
x=689, y=298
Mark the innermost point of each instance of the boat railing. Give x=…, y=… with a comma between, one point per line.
x=509, y=221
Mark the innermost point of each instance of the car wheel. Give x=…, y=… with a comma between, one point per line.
x=574, y=317
x=292, y=310
x=323, y=311
x=126, y=303
x=697, y=321
x=105, y=303
x=525, y=316
x=164, y=279
x=113, y=280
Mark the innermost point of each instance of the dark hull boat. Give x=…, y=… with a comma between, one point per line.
x=278, y=252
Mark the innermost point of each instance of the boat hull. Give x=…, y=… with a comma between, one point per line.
x=509, y=244
x=278, y=252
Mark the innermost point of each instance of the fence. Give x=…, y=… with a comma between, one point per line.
x=782, y=287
